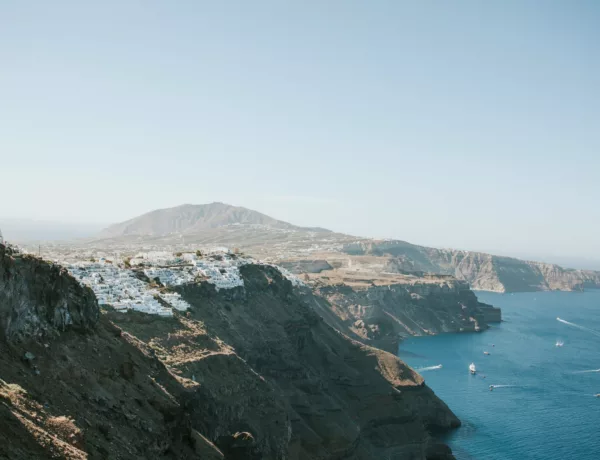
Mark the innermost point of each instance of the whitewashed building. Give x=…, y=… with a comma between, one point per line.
x=118, y=286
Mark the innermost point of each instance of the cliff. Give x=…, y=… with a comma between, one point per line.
x=248, y=373
x=482, y=271
x=39, y=299
x=71, y=384
x=306, y=266
x=335, y=397
x=381, y=315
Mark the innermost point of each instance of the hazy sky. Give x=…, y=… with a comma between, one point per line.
x=458, y=124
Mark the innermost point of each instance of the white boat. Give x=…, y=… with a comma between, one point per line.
x=486, y=352
x=472, y=368
x=491, y=387
x=597, y=395
x=559, y=343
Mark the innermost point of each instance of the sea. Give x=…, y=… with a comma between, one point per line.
x=543, y=404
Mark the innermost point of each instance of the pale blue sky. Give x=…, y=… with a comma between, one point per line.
x=469, y=124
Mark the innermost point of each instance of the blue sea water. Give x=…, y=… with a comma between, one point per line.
x=547, y=410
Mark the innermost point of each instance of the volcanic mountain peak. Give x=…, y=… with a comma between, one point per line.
x=190, y=218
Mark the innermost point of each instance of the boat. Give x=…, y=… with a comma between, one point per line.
x=559, y=343
x=597, y=395
x=472, y=368
x=486, y=352
x=491, y=387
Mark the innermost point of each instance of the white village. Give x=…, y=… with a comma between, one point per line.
x=142, y=282
x=124, y=285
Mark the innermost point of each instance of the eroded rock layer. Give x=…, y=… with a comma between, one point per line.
x=382, y=315
x=482, y=271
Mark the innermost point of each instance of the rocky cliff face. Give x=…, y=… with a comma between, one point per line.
x=306, y=266
x=332, y=397
x=505, y=274
x=71, y=384
x=39, y=299
x=482, y=271
x=251, y=373
x=381, y=315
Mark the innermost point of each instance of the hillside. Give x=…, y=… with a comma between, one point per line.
x=247, y=373
x=190, y=226
x=194, y=219
x=382, y=313
x=482, y=271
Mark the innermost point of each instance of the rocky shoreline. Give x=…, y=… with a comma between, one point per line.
x=381, y=315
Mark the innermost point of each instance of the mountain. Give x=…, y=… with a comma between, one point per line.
x=188, y=227
x=192, y=219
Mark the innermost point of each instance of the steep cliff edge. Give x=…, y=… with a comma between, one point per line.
x=342, y=399
x=381, y=315
x=247, y=373
x=39, y=299
x=71, y=384
x=482, y=271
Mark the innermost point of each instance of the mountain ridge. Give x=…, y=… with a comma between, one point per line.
x=263, y=236
x=483, y=271
x=190, y=218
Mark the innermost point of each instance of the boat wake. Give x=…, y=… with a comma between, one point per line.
x=586, y=372
x=583, y=328
x=430, y=368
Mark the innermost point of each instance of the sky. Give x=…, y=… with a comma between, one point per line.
x=465, y=124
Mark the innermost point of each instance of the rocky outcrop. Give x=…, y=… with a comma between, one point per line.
x=482, y=271
x=305, y=266
x=254, y=373
x=381, y=315
x=39, y=299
